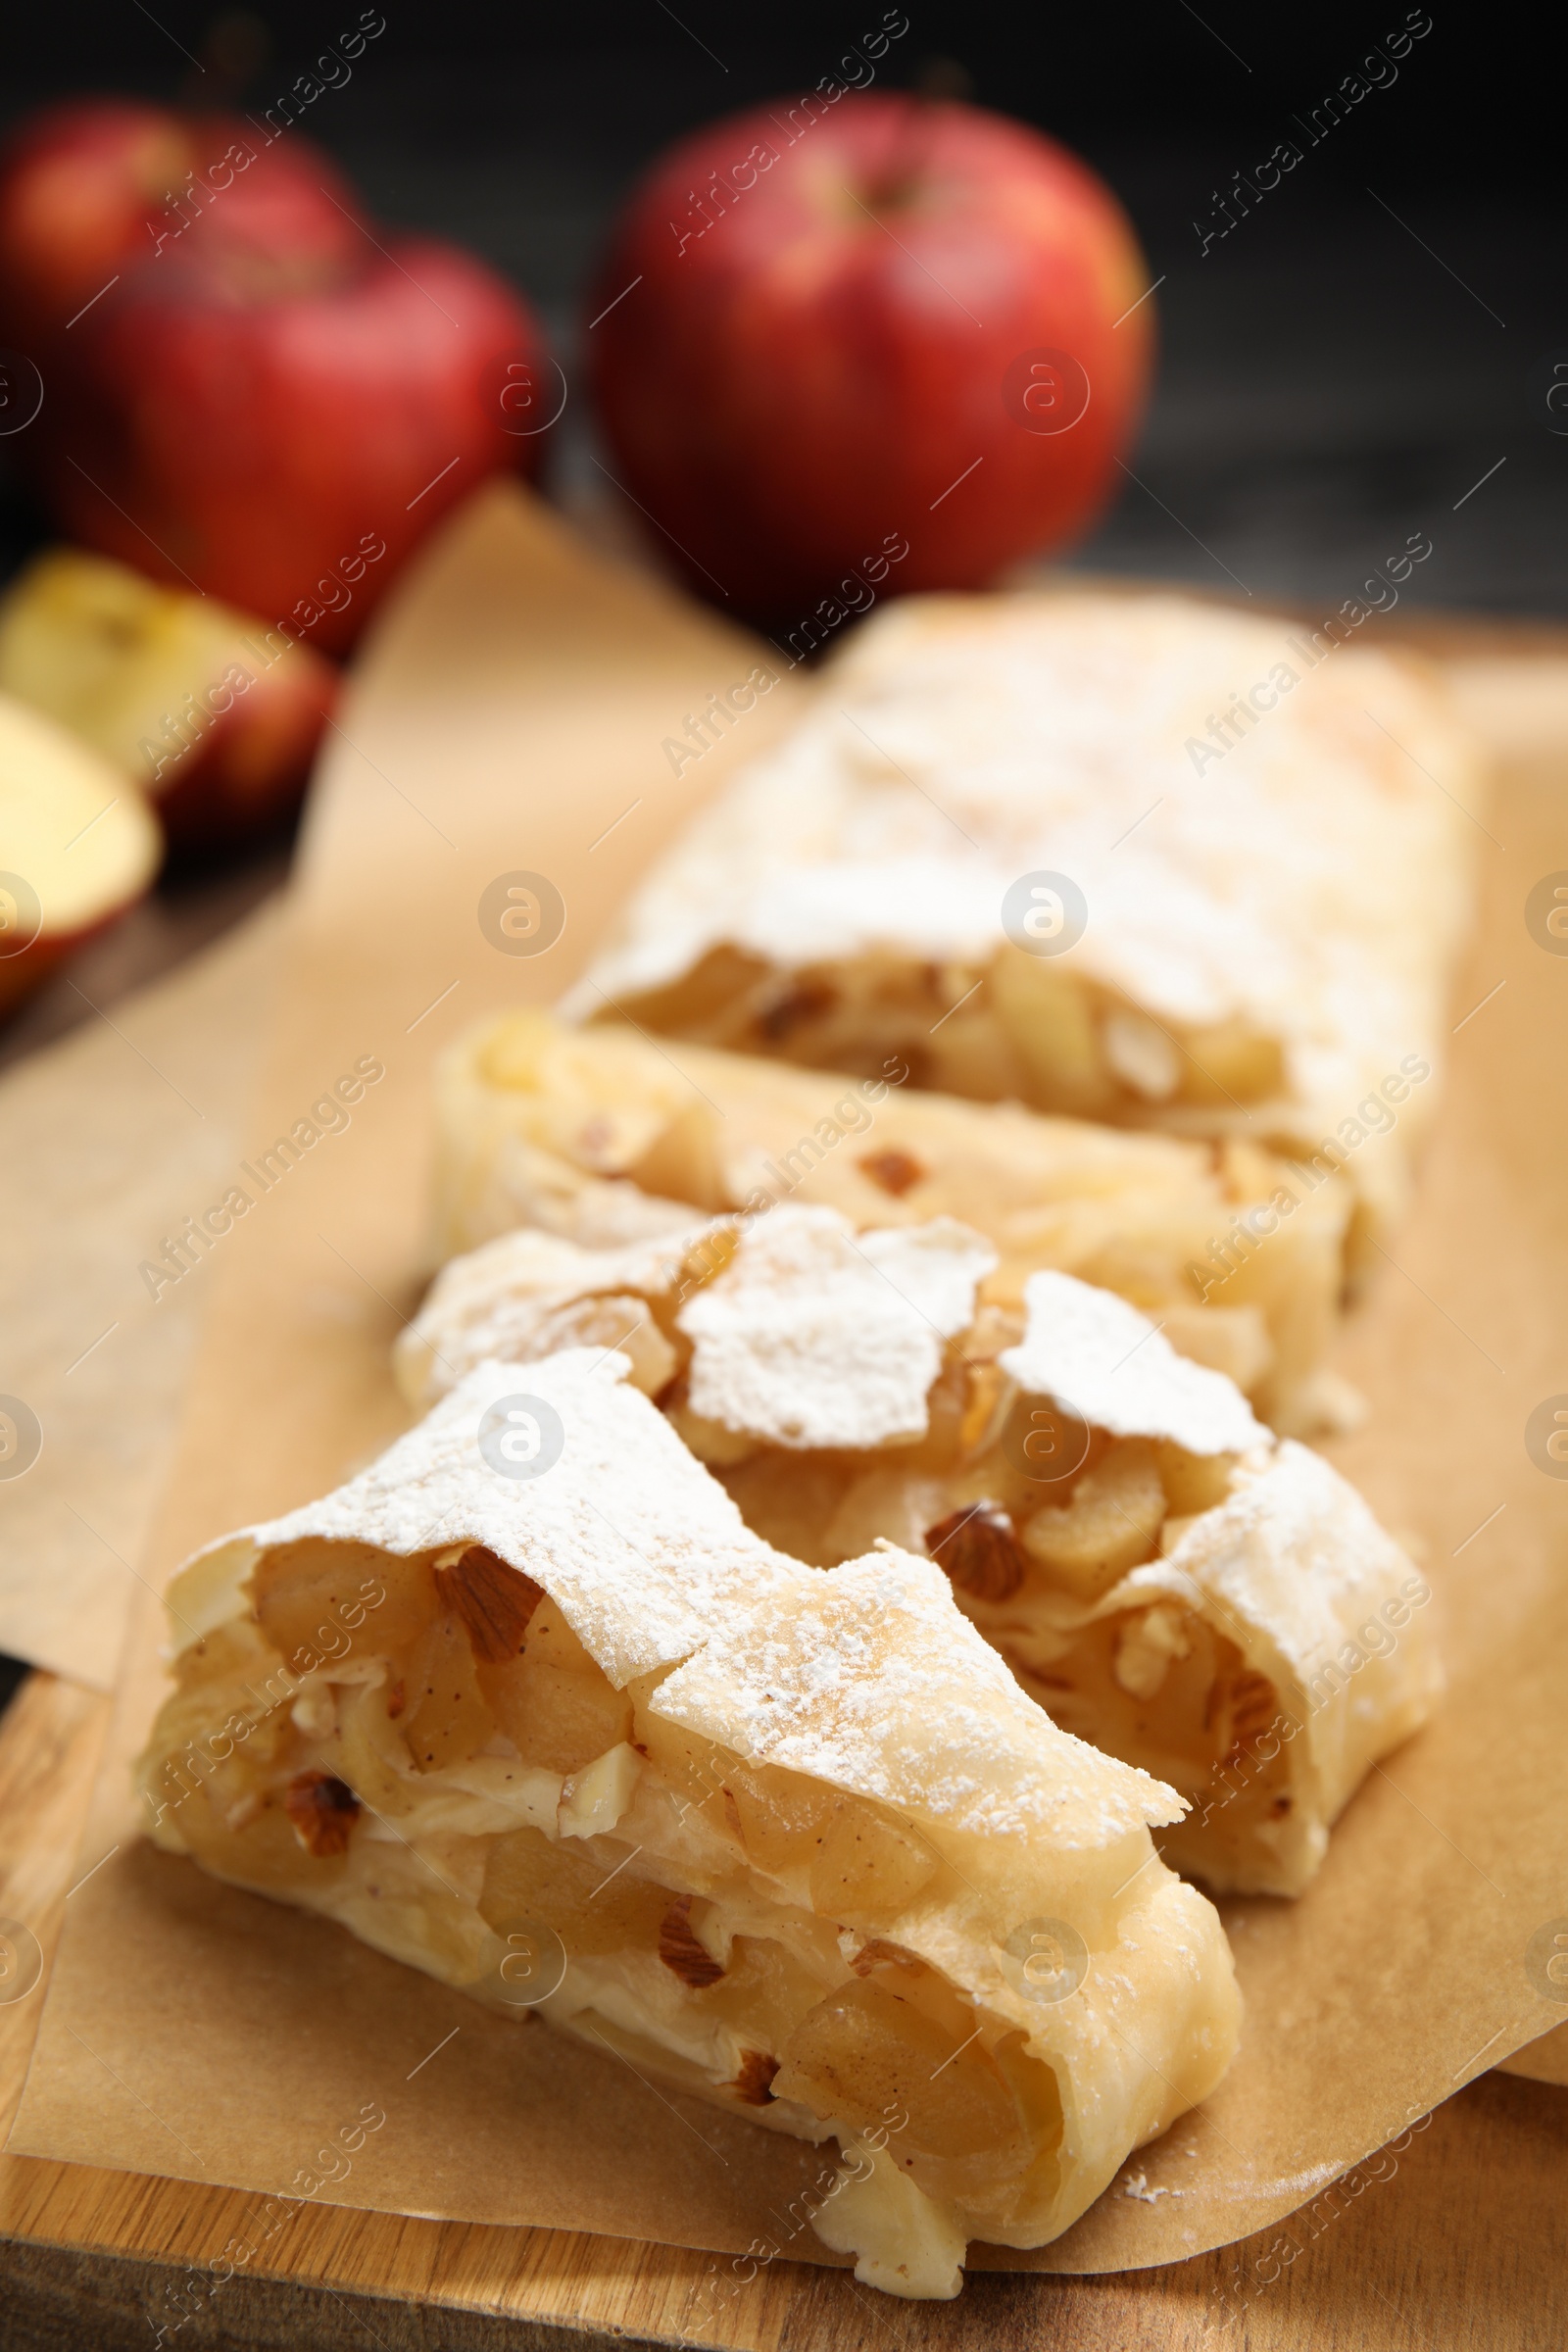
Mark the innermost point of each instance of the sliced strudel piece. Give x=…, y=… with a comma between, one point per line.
x=1138, y=859
x=603, y=1136
x=1169, y=1580
x=527, y=1705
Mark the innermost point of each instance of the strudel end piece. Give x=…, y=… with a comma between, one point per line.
x=602, y=1137
x=1141, y=859
x=1170, y=1582
x=527, y=1705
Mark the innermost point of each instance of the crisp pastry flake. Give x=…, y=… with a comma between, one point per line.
x=790, y=1329
x=1094, y=1351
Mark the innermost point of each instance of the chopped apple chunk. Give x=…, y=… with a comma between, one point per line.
x=447, y=1719
x=867, y=2052
x=1111, y=1523
x=553, y=1702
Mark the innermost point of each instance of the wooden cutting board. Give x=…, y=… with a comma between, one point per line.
x=1460, y=2238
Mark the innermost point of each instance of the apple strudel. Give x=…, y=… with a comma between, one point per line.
x=1172, y=1584
x=526, y=1705
x=1140, y=859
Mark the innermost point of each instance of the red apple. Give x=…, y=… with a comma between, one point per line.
x=251, y=390
x=853, y=325
x=215, y=717
x=256, y=428
x=91, y=188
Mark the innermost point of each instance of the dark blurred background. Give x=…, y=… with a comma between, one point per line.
x=1365, y=354
x=1337, y=371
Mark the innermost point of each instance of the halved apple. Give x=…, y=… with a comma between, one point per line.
x=212, y=713
x=79, y=845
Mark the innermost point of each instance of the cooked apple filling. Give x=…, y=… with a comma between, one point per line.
x=1011, y=1027
x=600, y=1136
x=792, y=1842
x=1172, y=1584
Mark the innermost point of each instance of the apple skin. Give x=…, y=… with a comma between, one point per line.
x=213, y=715
x=87, y=189
x=250, y=770
x=801, y=381
x=243, y=426
x=20, y=975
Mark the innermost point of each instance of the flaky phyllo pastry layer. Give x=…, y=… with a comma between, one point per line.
x=602, y=1136
x=1171, y=1582
x=1265, y=839
x=792, y=1842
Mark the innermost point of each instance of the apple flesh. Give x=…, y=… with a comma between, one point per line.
x=214, y=716
x=857, y=327
x=79, y=846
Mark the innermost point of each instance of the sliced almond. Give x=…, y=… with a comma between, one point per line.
x=680, y=1951
x=493, y=1601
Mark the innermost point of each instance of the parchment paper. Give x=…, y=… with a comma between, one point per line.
x=112, y=1137
x=1543, y=2061
x=513, y=708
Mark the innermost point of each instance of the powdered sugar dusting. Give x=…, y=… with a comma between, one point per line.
x=1312, y=879
x=867, y=1676
x=813, y=1338
x=626, y=1532
x=809, y=1336
x=871, y=1679
x=1296, y=1551
x=1090, y=1350
x=511, y=1300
